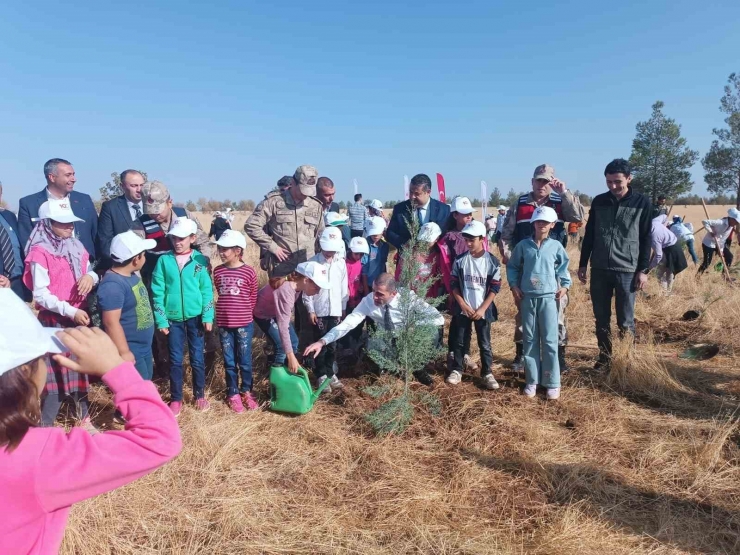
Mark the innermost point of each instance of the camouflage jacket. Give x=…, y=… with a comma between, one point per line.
x=279, y=223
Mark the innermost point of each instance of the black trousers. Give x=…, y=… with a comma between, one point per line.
x=708, y=253
x=456, y=342
x=324, y=364
x=356, y=232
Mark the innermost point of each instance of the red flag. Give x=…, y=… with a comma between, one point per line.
x=441, y=187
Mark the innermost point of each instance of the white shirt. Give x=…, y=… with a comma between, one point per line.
x=332, y=301
x=368, y=309
x=474, y=280
x=131, y=208
x=721, y=229
x=424, y=210
x=50, y=195
x=44, y=298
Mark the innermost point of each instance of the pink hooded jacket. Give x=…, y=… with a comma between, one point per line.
x=52, y=469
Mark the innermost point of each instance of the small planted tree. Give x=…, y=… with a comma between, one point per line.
x=410, y=346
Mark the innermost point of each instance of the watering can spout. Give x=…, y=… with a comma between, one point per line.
x=319, y=390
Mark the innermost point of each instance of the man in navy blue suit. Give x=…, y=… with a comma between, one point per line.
x=427, y=210
x=60, y=183
x=11, y=252
x=118, y=214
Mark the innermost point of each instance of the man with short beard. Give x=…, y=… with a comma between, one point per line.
x=118, y=214
x=325, y=192
x=547, y=190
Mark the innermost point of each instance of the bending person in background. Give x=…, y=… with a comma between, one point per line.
x=721, y=230
x=44, y=471
x=685, y=233
x=382, y=307
x=668, y=256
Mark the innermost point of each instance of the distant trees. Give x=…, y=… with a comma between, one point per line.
x=660, y=157
x=696, y=199
x=112, y=188
x=722, y=162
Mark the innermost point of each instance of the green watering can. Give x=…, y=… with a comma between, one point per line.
x=292, y=392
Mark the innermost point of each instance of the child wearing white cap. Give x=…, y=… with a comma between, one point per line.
x=358, y=251
x=538, y=275
x=236, y=283
x=377, y=257
x=476, y=280
x=58, y=272
x=721, y=230
x=44, y=471
x=327, y=308
x=124, y=302
x=337, y=220
x=182, y=294
x=430, y=261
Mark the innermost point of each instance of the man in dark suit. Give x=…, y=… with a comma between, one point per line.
x=60, y=183
x=11, y=252
x=427, y=210
x=118, y=214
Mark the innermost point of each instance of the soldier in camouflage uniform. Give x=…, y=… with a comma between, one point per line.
x=286, y=224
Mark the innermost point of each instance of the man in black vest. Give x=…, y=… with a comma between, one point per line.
x=118, y=214
x=547, y=190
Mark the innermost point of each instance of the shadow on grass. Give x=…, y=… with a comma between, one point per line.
x=682, y=523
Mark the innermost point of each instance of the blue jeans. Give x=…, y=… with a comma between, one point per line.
x=192, y=331
x=236, y=344
x=540, y=341
x=692, y=252
x=606, y=284
x=145, y=366
x=270, y=329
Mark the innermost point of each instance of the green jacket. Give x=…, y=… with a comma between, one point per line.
x=179, y=296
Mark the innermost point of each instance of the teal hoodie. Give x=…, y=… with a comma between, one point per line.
x=178, y=296
x=538, y=272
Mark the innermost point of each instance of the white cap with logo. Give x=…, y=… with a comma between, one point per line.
x=462, y=205
x=545, y=214
x=126, y=245
x=331, y=240
x=375, y=203
x=474, y=229
x=429, y=232
x=374, y=225
x=359, y=244
x=335, y=218
x=315, y=272
x=22, y=338
x=59, y=210
x=183, y=227
x=232, y=238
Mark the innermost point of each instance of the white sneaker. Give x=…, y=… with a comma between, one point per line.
x=530, y=390
x=490, y=382
x=335, y=383
x=553, y=393
x=470, y=363
x=327, y=389
x=454, y=378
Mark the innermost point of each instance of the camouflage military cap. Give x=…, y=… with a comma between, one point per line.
x=155, y=196
x=544, y=171
x=305, y=177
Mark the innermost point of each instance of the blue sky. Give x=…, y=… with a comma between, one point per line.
x=221, y=99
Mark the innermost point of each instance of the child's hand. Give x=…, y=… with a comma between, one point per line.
x=518, y=294
x=479, y=314
x=312, y=317
x=4, y=282
x=165, y=331
x=561, y=292
x=81, y=318
x=85, y=285
x=95, y=352
x=208, y=326
x=292, y=363
x=128, y=356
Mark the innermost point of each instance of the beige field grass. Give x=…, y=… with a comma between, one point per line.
x=643, y=461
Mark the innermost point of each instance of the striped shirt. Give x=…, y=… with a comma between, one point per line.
x=357, y=216
x=237, y=295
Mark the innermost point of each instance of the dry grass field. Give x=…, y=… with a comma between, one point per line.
x=645, y=460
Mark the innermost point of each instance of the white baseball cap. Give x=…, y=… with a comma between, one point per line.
x=375, y=203
x=22, y=338
x=359, y=244
x=462, y=205
x=127, y=245
x=331, y=239
x=429, y=232
x=545, y=214
x=315, y=272
x=334, y=218
x=232, y=238
x=59, y=210
x=183, y=227
x=734, y=213
x=474, y=228
x=375, y=225
x=502, y=207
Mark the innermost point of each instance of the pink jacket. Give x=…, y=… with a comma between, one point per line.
x=51, y=469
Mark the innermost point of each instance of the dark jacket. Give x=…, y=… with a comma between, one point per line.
x=16, y=284
x=218, y=226
x=618, y=233
x=115, y=218
x=82, y=206
x=398, y=232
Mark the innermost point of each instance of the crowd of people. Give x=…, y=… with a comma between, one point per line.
x=142, y=271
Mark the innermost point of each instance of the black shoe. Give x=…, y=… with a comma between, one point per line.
x=423, y=377
x=519, y=354
x=561, y=360
x=602, y=363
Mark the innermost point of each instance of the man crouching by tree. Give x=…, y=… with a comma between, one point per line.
x=383, y=307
